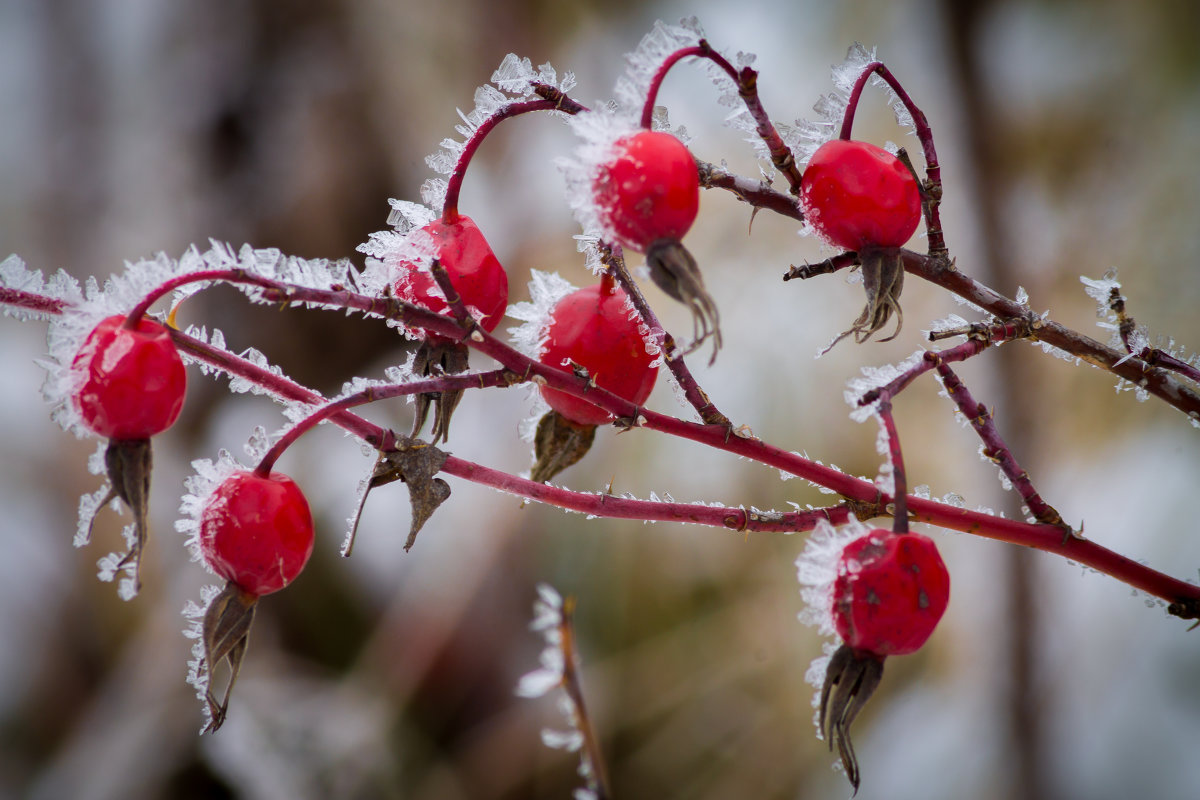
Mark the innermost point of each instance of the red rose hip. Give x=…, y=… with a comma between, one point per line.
x=857, y=195
x=257, y=532
x=134, y=380
x=890, y=592
x=473, y=268
x=591, y=328
x=649, y=191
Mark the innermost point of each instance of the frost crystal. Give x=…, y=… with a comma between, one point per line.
x=817, y=569
x=199, y=487
x=546, y=289
x=875, y=378
x=198, y=676
x=15, y=275
x=807, y=136
x=549, y=620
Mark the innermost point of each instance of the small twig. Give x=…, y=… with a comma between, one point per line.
x=826, y=267
x=899, y=476
x=995, y=449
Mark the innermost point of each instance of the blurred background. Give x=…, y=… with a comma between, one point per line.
x=1068, y=133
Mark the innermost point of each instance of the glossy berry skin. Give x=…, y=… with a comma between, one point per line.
x=857, y=195
x=257, y=532
x=474, y=271
x=649, y=191
x=890, y=592
x=591, y=327
x=133, y=380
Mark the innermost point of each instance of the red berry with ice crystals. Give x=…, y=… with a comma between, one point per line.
x=257, y=531
x=592, y=328
x=857, y=195
x=890, y=591
x=133, y=379
x=473, y=268
x=649, y=190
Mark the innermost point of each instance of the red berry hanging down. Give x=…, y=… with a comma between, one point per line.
x=132, y=387
x=649, y=191
x=474, y=271
x=648, y=195
x=589, y=331
x=890, y=592
x=481, y=282
x=857, y=195
x=863, y=198
x=256, y=532
x=134, y=379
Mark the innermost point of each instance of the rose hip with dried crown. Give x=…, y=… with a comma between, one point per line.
x=591, y=328
x=649, y=191
x=134, y=381
x=857, y=195
x=473, y=268
x=890, y=592
x=257, y=531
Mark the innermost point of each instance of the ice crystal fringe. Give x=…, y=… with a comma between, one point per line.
x=551, y=675
x=198, y=674
x=15, y=275
x=874, y=378
x=807, y=135
x=817, y=569
x=208, y=476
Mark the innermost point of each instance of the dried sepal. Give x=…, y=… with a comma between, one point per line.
x=673, y=270
x=416, y=463
x=127, y=464
x=850, y=680
x=225, y=633
x=558, y=444
x=434, y=359
x=883, y=280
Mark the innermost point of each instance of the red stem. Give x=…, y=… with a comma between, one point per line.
x=746, y=81
x=454, y=185
x=932, y=191
x=899, y=476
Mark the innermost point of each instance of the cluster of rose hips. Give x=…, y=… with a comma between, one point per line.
x=256, y=530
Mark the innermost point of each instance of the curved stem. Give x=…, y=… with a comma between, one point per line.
x=746, y=81
x=899, y=477
x=454, y=185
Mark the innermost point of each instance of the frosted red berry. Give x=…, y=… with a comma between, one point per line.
x=473, y=268
x=857, y=195
x=591, y=328
x=133, y=379
x=649, y=190
x=257, y=531
x=890, y=591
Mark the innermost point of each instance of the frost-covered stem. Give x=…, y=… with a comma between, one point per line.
x=615, y=507
x=1155, y=380
x=758, y=194
x=746, y=80
x=826, y=267
x=995, y=449
x=1151, y=355
x=932, y=190
x=561, y=101
x=447, y=383
x=41, y=304
x=597, y=777
x=454, y=184
x=862, y=496
x=613, y=258
x=899, y=476
x=179, y=281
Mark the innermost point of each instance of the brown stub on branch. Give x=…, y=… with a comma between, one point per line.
x=883, y=280
x=558, y=444
x=226, y=631
x=434, y=359
x=850, y=680
x=127, y=464
x=415, y=463
x=673, y=270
